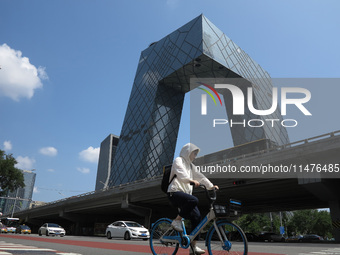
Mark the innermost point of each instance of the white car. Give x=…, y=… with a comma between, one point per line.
x=51, y=229
x=127, y=229
x=11, y=229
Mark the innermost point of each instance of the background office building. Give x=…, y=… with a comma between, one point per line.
x=21, y=198
x=196, y=50
x=106, y=156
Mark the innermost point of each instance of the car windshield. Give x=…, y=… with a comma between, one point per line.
x=25, y=227
x=53, y=225
x=133, y=224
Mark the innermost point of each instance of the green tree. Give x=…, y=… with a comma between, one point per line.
x=323, y=226
x=311, y=222
x=253, y=222
x=11, y=177
x=302, y=221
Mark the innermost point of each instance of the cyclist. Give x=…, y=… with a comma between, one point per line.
x=180, y=189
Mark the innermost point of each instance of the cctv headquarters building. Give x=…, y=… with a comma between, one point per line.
x=196, y=50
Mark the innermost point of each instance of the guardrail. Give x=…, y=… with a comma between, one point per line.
x=121, y=186
x=277, y=148
x=290, y=145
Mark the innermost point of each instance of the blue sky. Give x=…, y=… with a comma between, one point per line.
x=67, y=68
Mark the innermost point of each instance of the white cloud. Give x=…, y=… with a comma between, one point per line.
x=90, y=154
x=18, y=77
x=49, y=151
x=42, y=73
x=25, y=163
x=35, y=190
x=83, y=170
x=7, y=145
x=51, y=170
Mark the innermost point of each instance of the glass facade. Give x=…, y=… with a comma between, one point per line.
x=22, y=197
x=107, y=153
x=149, y=133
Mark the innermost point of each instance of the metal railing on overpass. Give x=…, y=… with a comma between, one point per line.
x=278, y=148
x=120, y=186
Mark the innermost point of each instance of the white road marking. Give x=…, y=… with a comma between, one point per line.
x=68, y=253
x=332, y=251
x=19, y=247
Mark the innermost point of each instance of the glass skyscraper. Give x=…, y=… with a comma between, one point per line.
x=21, y=198
x=196, y=50
x=106, y=156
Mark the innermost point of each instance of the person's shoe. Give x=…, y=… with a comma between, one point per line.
x=177, y=225
x=197, y=250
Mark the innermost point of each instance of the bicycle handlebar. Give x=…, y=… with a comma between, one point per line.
x=210, y=198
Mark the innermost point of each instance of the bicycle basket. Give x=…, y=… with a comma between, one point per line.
x=220, y=210
x=233, y=210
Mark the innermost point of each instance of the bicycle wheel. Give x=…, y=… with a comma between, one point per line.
x=234, y=240
x=162, y=228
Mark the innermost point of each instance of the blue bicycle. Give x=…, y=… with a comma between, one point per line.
x=223, y=237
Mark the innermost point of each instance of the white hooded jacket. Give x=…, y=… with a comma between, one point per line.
x=186, y=171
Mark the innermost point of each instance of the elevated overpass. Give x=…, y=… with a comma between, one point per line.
x=144, y=201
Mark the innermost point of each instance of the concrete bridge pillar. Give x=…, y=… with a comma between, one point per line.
x=138, y=210
x=335, y=214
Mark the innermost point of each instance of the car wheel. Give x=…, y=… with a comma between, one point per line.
x=47, y=233
x=40, y=233
x=127, y=236
x=108, y=235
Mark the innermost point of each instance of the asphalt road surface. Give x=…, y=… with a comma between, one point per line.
x=14, y=244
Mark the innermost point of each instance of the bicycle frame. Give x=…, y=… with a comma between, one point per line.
x=189, y=238
x=164, y=239
x=178, y=239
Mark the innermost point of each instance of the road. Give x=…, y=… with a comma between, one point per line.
x=11, y=244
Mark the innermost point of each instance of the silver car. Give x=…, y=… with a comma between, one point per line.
x=51, y=229
x=127, y=230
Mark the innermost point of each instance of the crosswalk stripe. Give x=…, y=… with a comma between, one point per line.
x=19, y=247
x=27, y=249
x=63, y=253
x=331, y=251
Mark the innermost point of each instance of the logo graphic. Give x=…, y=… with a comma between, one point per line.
x=240, y=101
x=204, y=97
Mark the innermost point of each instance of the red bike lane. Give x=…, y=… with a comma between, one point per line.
x=110, y=246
